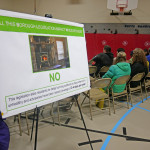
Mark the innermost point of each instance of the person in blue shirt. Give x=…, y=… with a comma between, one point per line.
x=4, y=135
x=148, y=59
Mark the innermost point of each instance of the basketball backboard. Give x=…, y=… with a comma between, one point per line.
x=122, y=5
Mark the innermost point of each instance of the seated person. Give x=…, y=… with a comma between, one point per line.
x=4, y=135
x=139, y=65
x=148, y=59
x=121, y=68
x=118, y=50
x=146, y=52
x=103, y=59
x=131, y=59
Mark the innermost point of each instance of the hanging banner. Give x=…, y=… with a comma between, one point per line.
x=43, y=60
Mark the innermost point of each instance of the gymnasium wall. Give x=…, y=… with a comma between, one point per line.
x=82, y=11
x=95, y=42
x=117, y=28
x=96, y=17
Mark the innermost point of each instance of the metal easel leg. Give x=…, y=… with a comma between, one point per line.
x=36, y=130
x=27, y=123
x=75, y=97
x=19, y=122
x=32, y=125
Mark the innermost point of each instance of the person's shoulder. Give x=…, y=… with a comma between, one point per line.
x=112, y=66
x=148, y=57
x=96, y=57
x=137, y=64
x=104, y=55
x=126, y=63
x=110, y=54
x=99, y=55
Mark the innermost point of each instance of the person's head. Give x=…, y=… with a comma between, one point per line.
x=149, y=50
x=121, y=57
x=139, y=56
x=120, y=50
x=131, y=53
x=107, y=49
x=146, y=52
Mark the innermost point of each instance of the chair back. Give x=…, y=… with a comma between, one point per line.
x=92, y=69
x=122, y=80
x=138, y=77
x=101, y=83
x=148, y=75
x=104, y=69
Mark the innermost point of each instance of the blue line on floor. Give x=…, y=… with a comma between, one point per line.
x=143, y=108
x=119, y=122
x=139, y=107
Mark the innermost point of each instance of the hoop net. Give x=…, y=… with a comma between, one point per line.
x=121, y=10
x=121, y=5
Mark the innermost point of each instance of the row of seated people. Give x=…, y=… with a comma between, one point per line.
x=106, y=89
x=122, y=68
x=137, y=64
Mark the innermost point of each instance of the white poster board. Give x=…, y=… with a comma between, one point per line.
x=31, y=72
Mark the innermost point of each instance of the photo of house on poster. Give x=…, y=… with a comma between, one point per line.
x=43, y=60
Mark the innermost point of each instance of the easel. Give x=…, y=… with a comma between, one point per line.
x=36, y=113
x=129, y=138
x=76, y=99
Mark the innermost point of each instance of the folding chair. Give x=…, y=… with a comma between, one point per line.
x=147, y=83
x=92, y=70
x=65, y=105
x=103, y=70
x=120, y=81
x=96, y=94
x=19, y=123
x=137, y=78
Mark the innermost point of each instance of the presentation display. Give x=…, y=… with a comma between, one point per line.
x=43, y=60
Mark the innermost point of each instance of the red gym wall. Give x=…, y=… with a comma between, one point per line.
x=95, y=42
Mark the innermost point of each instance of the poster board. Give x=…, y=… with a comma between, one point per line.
x=43, y=60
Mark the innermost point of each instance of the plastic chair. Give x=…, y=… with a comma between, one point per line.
x=137, y=78
x=120, y=81
x=96, y=94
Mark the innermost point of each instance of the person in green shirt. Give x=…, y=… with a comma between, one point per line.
x=121, y=68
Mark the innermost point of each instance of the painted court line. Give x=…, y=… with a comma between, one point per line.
x=143, y=108
x=140, y=107
x=119, y=122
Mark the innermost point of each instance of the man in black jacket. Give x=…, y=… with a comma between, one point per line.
x=103, y=59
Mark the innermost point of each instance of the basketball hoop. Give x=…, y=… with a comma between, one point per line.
x=121, y=5
x=121, y=10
